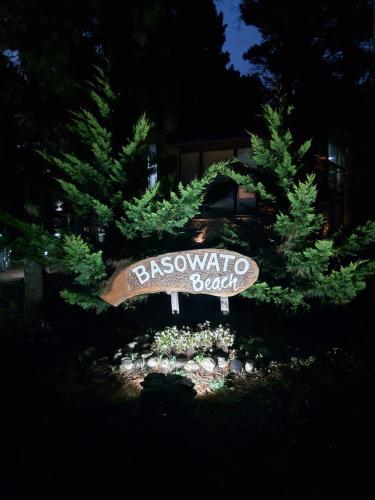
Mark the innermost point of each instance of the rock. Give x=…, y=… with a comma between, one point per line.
x=139, y=363
x=208, y=364
x=249, y=366
x=152, y=362
x=223, y=346
x=236, y=366
x=89, y=352
x=117, y=356
x=126, y=365
x=131, y=345
x=146, y=354
x=180, y=362
x=142, y=339
x=191, y=366
x=165, y=364
x=222, y=362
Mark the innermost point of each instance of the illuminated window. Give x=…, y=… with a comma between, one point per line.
x=152, y=166
x=59, y=206
x=336, y=172
x=336, y=153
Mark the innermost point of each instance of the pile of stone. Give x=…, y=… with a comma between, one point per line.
x=138, y=356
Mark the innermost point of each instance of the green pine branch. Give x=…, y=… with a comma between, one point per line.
x=301, y=265
x=246, y=182
x=149, y=214
x=85, y=204
x=302, y=221
x=136, y=144
x=354, y=243
x=89, y=274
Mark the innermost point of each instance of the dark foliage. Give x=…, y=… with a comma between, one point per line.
x=322, y=57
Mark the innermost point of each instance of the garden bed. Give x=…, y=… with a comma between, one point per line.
x=205, y=356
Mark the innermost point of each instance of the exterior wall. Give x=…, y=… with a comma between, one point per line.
x=332, y=188
x=224, y=198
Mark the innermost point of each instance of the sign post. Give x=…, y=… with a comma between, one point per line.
x=210, y=271
x=174, y=303
x=224, y=305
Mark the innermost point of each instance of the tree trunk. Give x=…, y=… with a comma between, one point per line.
x=33, y=282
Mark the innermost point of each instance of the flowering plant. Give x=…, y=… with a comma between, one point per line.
x=186, y=341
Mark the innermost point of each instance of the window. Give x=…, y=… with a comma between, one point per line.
x=223, y=197
x=210, y=157
x=189, y=167
x=335, y=178
x=336, y=153
x=243, y=154
x=245, y=201
x=152, y=166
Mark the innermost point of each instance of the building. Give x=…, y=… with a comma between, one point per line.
x=188, y=158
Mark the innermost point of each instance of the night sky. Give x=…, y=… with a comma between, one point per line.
x=239, y=37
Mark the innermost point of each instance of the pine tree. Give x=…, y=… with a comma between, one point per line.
x=105, y=192
x=297, y=264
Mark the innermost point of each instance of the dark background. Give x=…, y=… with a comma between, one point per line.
x=308, y=436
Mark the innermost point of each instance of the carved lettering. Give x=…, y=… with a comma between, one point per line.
x=155, y=269
x=141, y=273
x=197, y=260
x=209, y=271
x=166, y=263
x=226, y=258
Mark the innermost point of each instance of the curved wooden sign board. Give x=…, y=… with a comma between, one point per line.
x=208, y=271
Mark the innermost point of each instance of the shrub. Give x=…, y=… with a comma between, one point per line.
x=185, y=341
x=254, y=349
x=217, y=384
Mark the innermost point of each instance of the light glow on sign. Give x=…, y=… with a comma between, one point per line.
x=213, y=284
x=182, y=262
x=206, y=271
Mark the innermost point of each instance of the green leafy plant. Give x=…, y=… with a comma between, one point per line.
x=298, y=363
x=253, y=348
x=181, y=373
x=198, y=358
x=187, y=341
x=218, y=384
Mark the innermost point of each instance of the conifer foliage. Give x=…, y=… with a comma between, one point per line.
x=105, y=191
x=110, y=206
x=297, y=263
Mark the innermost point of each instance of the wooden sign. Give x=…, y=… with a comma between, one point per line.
x=205, y=271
